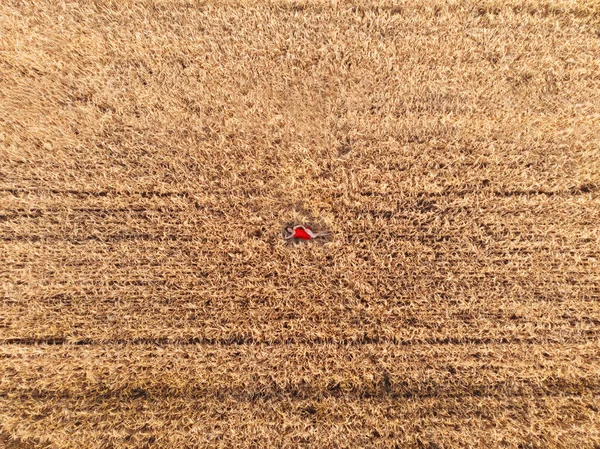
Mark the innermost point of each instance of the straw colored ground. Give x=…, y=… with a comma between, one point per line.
x=151, y=153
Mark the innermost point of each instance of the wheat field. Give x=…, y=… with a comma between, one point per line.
x=153, y=152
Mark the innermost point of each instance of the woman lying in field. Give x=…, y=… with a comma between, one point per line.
x=303, y=233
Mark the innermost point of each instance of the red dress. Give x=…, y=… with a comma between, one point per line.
x=300, y=233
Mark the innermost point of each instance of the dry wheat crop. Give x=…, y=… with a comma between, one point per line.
x=152, y=152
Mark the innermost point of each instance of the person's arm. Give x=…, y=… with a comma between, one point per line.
x=291, y=233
